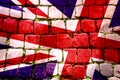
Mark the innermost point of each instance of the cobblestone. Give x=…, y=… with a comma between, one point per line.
x=116, y=70
x=106, y=69
x=59, y=39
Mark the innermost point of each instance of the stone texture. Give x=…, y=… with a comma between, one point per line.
x=52, y=40
x=88, y=25
x=28, y=14
x=2, y=56
x=38, y=43
x=97, y=55
x=3, y=38
x=71, y=25
x=58, y=26
x=50, y=68
x=96, y=12
x=72, y=56
x=29, y=56
x=54, y=13
x=17, y=40
x=58, y=54
x=10, y=25
x=41, y=27
x=106, y=69
x=64, y=41
x=44, y=2
x=25, y=71
x=40, y=72
x=78, y=71
x=96, y=42
x=113, y=78
x=15, y=13
x=100, y=2
x=32, y=41
x=117, y=70
x=78, y=10
x=12, y=54
x=109, y=55
x=84, y=55
x=110, y=11
x=85, y=12
x=67, y=70
x=91, y=68
x=25, y=26
x=80, y=40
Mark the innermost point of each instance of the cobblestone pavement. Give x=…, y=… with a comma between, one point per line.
x=59, y=40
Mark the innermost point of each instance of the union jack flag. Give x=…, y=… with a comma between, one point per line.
x=23, y=23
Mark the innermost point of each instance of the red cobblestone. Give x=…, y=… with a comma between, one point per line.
x=85, y=12
x=98, y=24
x=10, y=25
x=72, y=56
x=80, y=40
x=57, y=30
x=3, y=34
x=64, y=41
x=78, y=28
x=97, y=53
x=88, y=25
x=111, y=55
x=78, y=72
x=96, y=12
x=49, y=40
x=89, y=2
x=23, y=2
x=32, y=39
x=1, y=22
x=25, y=26
x=101, y=2
x=96, y=41
x=82, y=43
x=17, y=37
x=112, y=43
x=67, y=70
x=40, y=28
x=84, y=55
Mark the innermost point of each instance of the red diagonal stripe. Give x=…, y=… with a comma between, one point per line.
x=38, y=56
x=36, y=10
x=26, y=59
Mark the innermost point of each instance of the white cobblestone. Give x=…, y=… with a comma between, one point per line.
x=78, y=10
x=57, y=53
x=16, y=43
x=114, y=2
x=28, y=14
x=15, y=13
x=31, y=45
x=105, y=26
x=106, y=69
x=44, y=2
x=2, y=54
x=110, y=11
x=91, y=68
x=71, y=25
x=54, y=13
x=44, y=9
x=12, y=53
x=35, y=2
x=59, y=24
x=117, y=70
x=3, y=40
x=113, y=78
x=79, y=2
